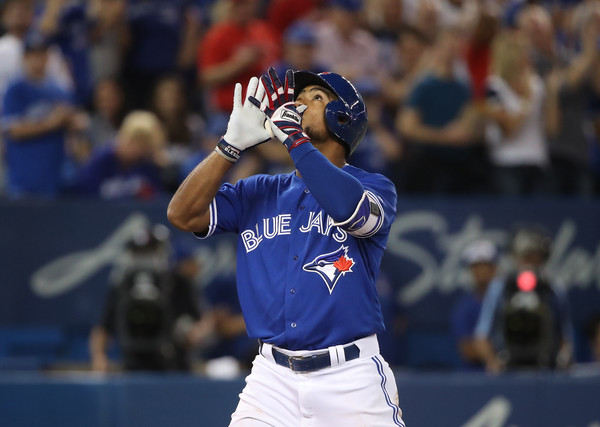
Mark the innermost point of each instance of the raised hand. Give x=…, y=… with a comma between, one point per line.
x=284, y=117
x=245, y=128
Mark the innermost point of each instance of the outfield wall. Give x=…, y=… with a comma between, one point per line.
x=56, y=257
x=444, y=400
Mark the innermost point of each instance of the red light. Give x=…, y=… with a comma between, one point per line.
x=526, y=281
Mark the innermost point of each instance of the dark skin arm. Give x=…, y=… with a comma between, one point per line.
x=188, y=209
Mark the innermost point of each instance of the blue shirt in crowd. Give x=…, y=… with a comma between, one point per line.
x=34, y=165
x=438, y=100
x=72, y=37
x=155, y=27
x=463, y=321
x=106, y=177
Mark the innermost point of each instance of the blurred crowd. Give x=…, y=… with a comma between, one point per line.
x=122, y=98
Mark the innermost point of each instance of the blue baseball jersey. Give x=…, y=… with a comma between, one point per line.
x=305, y=282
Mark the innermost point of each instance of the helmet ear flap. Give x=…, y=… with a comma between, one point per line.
x=340, y=122
x=340, y=111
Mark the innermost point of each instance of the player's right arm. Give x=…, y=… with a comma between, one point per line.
x=189, y=207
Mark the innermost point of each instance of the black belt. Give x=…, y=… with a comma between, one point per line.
x=313, y=362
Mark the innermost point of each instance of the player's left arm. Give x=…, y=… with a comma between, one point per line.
x=375, y=211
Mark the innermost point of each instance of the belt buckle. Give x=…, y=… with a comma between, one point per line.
x=300, y=359
x=291, y=359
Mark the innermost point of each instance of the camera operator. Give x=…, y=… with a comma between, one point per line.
x=151, y=309
x=524, y=321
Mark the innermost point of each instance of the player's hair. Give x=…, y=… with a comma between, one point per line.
x=144, y=125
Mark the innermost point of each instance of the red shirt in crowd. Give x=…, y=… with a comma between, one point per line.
x=220, y=44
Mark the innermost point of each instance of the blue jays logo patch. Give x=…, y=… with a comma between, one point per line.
x=331, y=266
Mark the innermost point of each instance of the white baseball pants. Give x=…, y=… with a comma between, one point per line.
x=361, y=392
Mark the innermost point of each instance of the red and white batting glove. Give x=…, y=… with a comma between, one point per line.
x=284, y=118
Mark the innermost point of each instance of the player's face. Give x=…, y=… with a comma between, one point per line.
x=313, y=120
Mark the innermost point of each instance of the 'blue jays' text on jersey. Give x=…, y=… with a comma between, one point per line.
x=305, y=283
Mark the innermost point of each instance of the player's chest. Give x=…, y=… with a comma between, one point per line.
x=288, y=221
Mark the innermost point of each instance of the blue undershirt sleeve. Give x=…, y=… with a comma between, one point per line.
x=336, y=191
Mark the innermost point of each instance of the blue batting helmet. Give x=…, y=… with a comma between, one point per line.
x=346, y=117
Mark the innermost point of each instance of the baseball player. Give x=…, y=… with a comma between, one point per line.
x=309, y=249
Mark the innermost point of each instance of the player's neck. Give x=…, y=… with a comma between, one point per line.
x=333, y=151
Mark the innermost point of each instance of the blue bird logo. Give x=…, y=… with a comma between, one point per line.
x=331, y=266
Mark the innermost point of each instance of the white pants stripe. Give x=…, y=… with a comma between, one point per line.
x=395, y=408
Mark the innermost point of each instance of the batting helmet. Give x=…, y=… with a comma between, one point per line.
x=346, y=117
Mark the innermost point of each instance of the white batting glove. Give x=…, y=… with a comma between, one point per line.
x=246, y=123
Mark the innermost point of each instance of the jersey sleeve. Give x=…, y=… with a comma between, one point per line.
x=226, y=210
x=375, y=211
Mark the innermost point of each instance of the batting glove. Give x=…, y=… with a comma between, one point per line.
x=284, y=118
x=246, y=123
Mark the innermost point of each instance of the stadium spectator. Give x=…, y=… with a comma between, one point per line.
x=107, y=112
x=183, y=128
x=535, y=22
x=281, y=14
x=479, y=49
x=595, y=137
x=525, y=321
x=515, y=114
x=594, y=339
x=299, y=49
x=108, y=38
x=437, y=123
x=434, y=14
x=150, y=309
x=67, y=23
x=589, y=363
x=570, y=92
x=407, y=66
x=481, y=258
x=234, y=50
x=17, y=19
x=229, y=337
x=379, y=150
x=161, y=39
x=130, y=167
x=425, y=16
x=36, y=116
x=343, y=46
x=384, y=18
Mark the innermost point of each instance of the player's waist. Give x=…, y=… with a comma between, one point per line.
x=313, y=360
